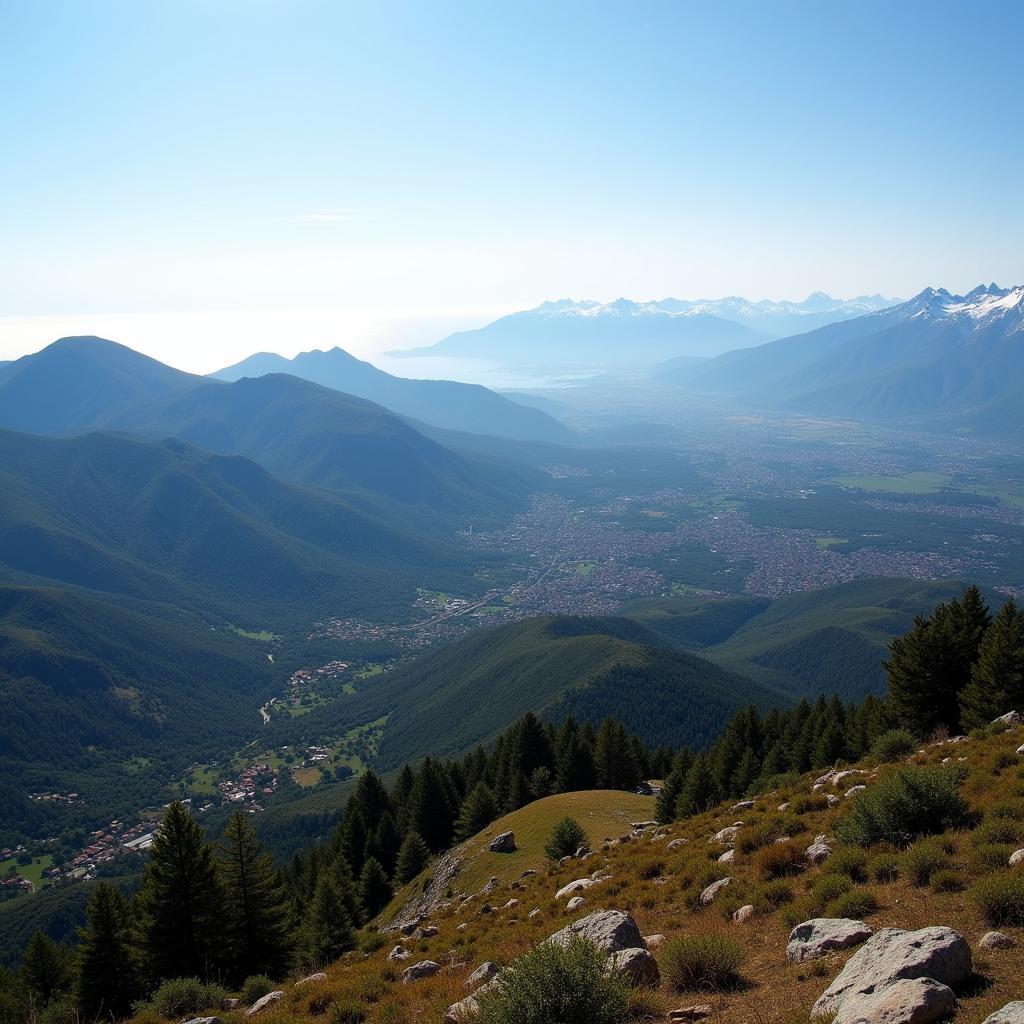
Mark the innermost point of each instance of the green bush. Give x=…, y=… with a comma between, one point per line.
x=781, y=859
x=566, y=838
x=884, y=867
x=1000, y=897
x=256, y=986
x=989, y=856
x=704, y=962
x=947, y=880
x=828, y=888
x=759, y=836
x=347, y=1011
x=903, y=806
x=894, y=745
x=1007, y=810
x=556, y=983
x=771, y=896
x=996, y=830
x=847, y=860
x=923, y=859
x=856, y=903
x=178, y=997
x=807, y=802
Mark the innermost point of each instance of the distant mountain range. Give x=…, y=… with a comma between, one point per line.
x=941, y=358
x=627, y=333
x=440, y=403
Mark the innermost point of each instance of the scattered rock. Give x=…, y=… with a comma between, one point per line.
x=854, y=790
x=1020, y=750
x=676, y=844
x=840, y=777
x=1010, y=718
x=711, y=892
x=410, y=926
x=813, y=939
x=462, y=927
x=728, y=857
x=654, y=941
x=462, y=1011
x=745, y=913
x=505, y=843
x=890, y=955
x=1011, y=1013
x=1016, y=857
x=644, y=824
x=424, y=969
x=907, y=1001
x=827, y=777
x=582, y=853
x=698, y=1012
x=727, y=836
x=511, y=905
x=311, y=979
x=203, y=1020
x=578, y=885
x=492, y=884
x=819, y=851
x=231, y=1003
x=534, y=912
x=637, y=965
x=996, y=940
x=528, y=872
x=574, y=904
x=261, y=1004
x=426, y=932
x=742, y=805
x=610, y=930
x=400, y=953
x=484, y=973
x=832, y=799
x=784, y=806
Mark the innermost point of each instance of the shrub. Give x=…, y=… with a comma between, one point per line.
x=553, y=982
x=903, y=806
x=652, y=869
x=178, y=997
x=759, y=836
x=996, y=830
x=947, y=880
x=347, y=1011
x=702, y=962
x=1007, y=810
x=847, y=860
x=779, y=860
x=923, y=859
x=256, y=986
x=884, y=867
x=1000, y=897
x=894, y=745
x=566, y=838
x=856, y=903
x=771, y=896
x=828, y=888
x=806, y=802
x=991, y=855
x=1005, y=759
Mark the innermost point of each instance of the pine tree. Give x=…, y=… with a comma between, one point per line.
x=575, y=767
x=613, y=758
x=383, y=843
x=107, y=980
x=700, y=790
x=374, y=890
x=413, y=857
x=997, y=679
x=328, y=930
x=256, y=908
x=431, y=813
x=542, y=782
x=46, y=969
x=478, y=810
x=179, y=905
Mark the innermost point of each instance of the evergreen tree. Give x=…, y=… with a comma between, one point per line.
x=179, y=907
x=328, y=930
x=478, y=810
x=613, y=758
x=107, y=980
x=46, y=969
x=700, y=790
x=576, y=770
x=383, y=843
x=531, y=746
x=431, y=812
x=542, y=783
x=374, y=890
x=997, y=678
x=256, y=909
x=413, y=857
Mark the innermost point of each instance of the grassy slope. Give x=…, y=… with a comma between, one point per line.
x=658, y=888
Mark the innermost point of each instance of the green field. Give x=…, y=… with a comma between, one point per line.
x=262, y=634
x=33, y=872
x=584, y=568
x=920, y=482
x=830, y=542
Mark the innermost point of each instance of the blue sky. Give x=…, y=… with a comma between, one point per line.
x=203, y=178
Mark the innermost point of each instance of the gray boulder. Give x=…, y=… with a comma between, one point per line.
x=484, y=973
x=311, y=979
x=203, y=1020
x=907, y=1001
x=610, y=930
x=1011, y=1013
x=813, y=939
x=424, y=969
x=819, y=851
x=1011, y=718
x=505, y=843
x=398, y=954
x=892, y=955
x=637, y=966
x=996, y=940
x=709, y=895
x=262, y=1004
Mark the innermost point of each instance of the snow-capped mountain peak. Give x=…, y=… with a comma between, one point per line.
x=979, y=307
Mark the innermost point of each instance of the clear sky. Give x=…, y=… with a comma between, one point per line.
x=204, y=178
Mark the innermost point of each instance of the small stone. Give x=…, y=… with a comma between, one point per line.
x=427, y=931
x=528, y=872
x=504, y=843
x=698, y=1012
x=727, y=836
x=637, y=965
x=203, y=1020
x=745, y=913
x=511, y=905
x=1016, y=858
x=311, y=979
x=854, y=790
x=576, y=886
x=742, y=805
x=711, y=892
x=833, y=800
x=262, y=1004
x=462, y=927
x=534, y=912
x=400, y=953
x=784, y=806
x=818, y=851
x=574, y=904
x=410, y=926
x=424, y=969
x=492, y=884
x=996, y=940
x=231, y=1003
x=654, y=941
x=676, y=844
x=728, y=857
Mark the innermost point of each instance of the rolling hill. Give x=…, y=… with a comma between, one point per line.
x=441, y=403
x=943, y=359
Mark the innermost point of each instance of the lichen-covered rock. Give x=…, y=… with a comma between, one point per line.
x=504, y=843
x=907, y=1001
x=745, y=913
x=819, y=851
x=813, y=939
x=575, y=886
x=1011, y=1013
x=637, y=965
x=484, y=973
x=610, y=930
x=727, y=836
x=312, y=979
x=711, y=892
x=574, y=904
x=892, y=955
x=996, y=940
x=398, y=954
x=424, y=969
x=265, y=1003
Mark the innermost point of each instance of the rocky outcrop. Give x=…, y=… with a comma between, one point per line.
x=1011, y=1013
x=891, y=955
x=424, y=969
x=610, y=930
x=265, y=1003
x=424, y=902
x=907, y=1001
x=813, y=939
x=637, y=966
x=504, y=843
x=484, y=973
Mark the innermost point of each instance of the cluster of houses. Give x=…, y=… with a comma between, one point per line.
x=246, y=787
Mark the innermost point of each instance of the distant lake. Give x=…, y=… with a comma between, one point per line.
x=479, y=371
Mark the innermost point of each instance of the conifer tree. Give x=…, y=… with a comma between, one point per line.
x=383, y=843
x=328, y=930
x=431, y=813
x=613, y=758
x=107, y=979
x=700, y=790
x=256, y=908
x=46, y=969
x=413, y=857
x=374, y=890
x=179, y=907
x=997, y=678
x=575, y=767
x=478, y=810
